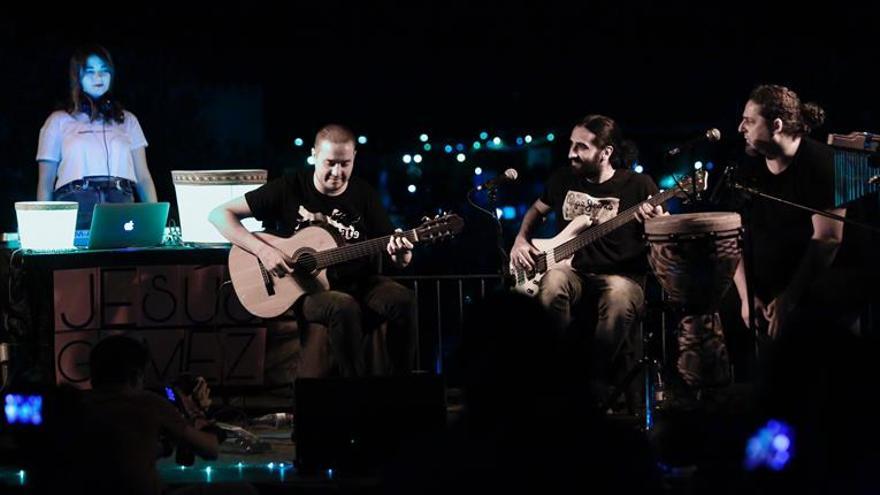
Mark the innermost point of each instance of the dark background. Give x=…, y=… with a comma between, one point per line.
x=232, y=86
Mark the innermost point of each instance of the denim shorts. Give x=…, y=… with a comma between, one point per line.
x=90, y=191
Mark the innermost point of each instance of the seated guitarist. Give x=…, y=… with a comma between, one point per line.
x=609, y=272
x=351, y=208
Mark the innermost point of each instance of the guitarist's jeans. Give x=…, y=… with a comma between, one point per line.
x=381, y=299
x=619, y=301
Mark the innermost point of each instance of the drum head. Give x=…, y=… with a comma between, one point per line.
x=693, y=223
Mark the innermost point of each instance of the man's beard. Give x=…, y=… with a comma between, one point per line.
x=587, y=169
x=752, y=151
x=766, y=149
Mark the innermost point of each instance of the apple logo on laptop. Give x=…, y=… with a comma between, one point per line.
x=129, y=226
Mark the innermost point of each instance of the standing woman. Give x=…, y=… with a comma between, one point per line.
x=93, y=151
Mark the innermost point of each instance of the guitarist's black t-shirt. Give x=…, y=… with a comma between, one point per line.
x=286, y=204
x=621, y=251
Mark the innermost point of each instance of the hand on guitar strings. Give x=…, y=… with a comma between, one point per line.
x=398, y=243
x=645, y=212
x=522, y=254
x=275, y=262
x=400, y=249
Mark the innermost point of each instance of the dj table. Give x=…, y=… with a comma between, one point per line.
x=57, y=305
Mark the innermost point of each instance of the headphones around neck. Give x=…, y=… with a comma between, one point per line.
x=103, y=107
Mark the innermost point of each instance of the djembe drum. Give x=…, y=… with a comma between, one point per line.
x=694, y=256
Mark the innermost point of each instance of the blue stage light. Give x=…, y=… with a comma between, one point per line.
x=771, y=447
x=667, y=182
x=23, y=409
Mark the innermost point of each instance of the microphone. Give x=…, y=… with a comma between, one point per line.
x=726, y=182
x=509, y=175
x=712, y=135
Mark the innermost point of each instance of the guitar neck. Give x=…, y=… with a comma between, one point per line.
x=569, y=247
x=363, y=249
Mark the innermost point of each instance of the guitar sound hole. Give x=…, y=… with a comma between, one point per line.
x=305, y=263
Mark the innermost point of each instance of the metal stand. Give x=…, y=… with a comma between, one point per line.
x=653, y=380
x=503, y=269
x=755, y=192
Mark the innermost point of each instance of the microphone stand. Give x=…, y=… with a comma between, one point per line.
x=491, y=195
x=756, y=192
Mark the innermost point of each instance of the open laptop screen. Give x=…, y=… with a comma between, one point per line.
x=122, y=225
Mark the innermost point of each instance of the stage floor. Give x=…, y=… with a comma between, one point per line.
x=692, y=445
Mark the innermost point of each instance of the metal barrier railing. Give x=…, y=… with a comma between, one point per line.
x=441, y=307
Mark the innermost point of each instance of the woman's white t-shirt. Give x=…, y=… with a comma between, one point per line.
x=82, y=148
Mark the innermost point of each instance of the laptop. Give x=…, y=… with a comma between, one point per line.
x=124, y=225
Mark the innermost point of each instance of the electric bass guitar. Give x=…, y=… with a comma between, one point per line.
x=576, y=235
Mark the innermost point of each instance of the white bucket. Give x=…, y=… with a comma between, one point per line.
x=46, y=225
x=200, y=191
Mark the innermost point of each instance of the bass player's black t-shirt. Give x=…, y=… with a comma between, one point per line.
x=621, y=251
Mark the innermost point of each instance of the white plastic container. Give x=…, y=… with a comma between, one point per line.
x=200, y=191
x=46, y=225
